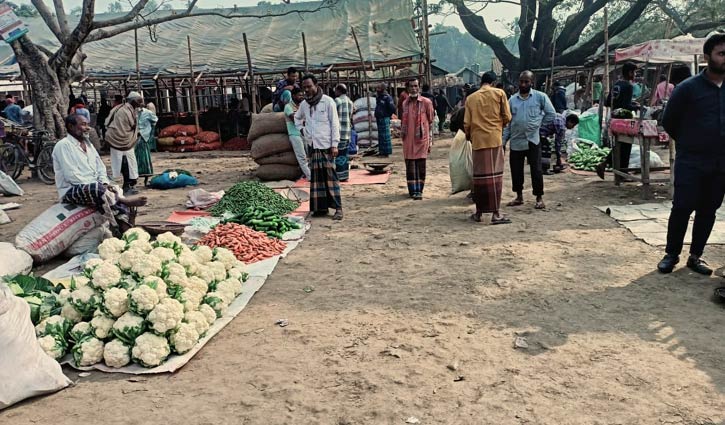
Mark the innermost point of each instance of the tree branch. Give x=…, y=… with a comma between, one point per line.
x=545, y=28
x=576, y=23
x=672, y=14
x=590, y=46
x=702, y=26
x=128, y=17
x=49, y=19
x=62, y=18
x=527, y=17
x=65, y=54
x=100, y=34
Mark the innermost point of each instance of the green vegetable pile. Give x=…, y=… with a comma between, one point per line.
x=38, y=292
x=253, y=194
x=587, y=157
x=263, y=219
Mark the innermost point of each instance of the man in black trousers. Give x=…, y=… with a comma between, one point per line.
x=695, y=118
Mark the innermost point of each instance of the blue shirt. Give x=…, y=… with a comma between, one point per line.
x=384, y=106
x=527, y=115
x=13, y=112
x=695, y=118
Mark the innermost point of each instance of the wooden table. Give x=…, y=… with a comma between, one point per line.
x=623, y=174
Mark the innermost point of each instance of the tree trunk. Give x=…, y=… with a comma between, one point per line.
x=51, y=85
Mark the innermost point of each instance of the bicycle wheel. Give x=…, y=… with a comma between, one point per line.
x=11, y=159
x=44, y=164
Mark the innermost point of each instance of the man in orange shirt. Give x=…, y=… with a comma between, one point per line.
x=487, y=113
x=415, y=127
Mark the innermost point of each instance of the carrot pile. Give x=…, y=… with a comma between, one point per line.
x=247, y=244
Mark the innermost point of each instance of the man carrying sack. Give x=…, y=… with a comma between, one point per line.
x=121, y=135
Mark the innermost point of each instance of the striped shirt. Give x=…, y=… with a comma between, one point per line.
x=344, y=112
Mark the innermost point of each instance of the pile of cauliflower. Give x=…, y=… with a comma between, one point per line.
x=142, y=301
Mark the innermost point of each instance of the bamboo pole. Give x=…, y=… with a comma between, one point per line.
x=253, y=88
x=426, y=34
x=304, y=49
x=366, y=89
x=138, y=65
x=605, y=80
x=194, y=108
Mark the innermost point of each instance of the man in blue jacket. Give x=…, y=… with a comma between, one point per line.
x=695, y=118
x=384, y=109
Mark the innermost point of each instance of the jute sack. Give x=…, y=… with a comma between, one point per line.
x=263, y=124
x=285, y=158
x=270, y=144
x=276, y=172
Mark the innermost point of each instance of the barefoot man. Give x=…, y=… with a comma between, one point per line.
x=81, y=178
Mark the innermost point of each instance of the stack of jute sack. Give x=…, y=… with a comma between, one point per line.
x=364, y=123
x=271, y=148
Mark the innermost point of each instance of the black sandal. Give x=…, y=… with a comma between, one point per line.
x=338, y=215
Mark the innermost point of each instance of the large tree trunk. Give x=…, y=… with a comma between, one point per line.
x=50, y=86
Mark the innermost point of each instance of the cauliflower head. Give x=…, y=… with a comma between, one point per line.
x=129, y=258
x=164, y=254
x=85, y=300
x=166, y=316
x=115, y=301
x=136, y=234
x=230, y=288
x=79, y=282
x=206, y=274
x=111, y=249
x=150, y=350
x=54, y=325
x=238, y=273
x=63, y=296
x=197, y=284
x=168, y=238
x=143, y=299
x=140, y=245
x=80, y=331
x=189, y=261
x=116, y=353
x=157, y=284
x=189, y=298
x=128, y=327
x=226, y=257
x=88, y=351
x=197, y=319
x=203, y=253
x=218, y=269
x=148, y=265
x=70, y=313
x=102, y=325
x=217, y=301
x=208, y=312
x=175, y=274
x=90, y=265
x=53, y=346
x=183, y=338
x=105, y=275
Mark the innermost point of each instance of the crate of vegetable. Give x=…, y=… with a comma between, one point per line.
x=141, y=301
x=248, y=245
x=587, y=157
x=252, y=194
x=264, y=220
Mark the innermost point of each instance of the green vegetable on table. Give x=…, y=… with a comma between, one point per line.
x=252, y=194
x=588, y=157
x=264, y=220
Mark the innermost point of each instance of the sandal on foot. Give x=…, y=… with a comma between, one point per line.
x=515, y=203
x=337, y=216
x=502, y=220
x=474, y=218
x=540, y=205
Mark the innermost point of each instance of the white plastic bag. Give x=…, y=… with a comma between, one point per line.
x=25, y=370
x=200, y=198
x=14, y=261
x=53, y=231
x=460, y=163
x=654, y=159
x=8, y=186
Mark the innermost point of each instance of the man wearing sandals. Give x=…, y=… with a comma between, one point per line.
x=486, y=114
x=694, y=119
x=81, y=179
x=529, y=109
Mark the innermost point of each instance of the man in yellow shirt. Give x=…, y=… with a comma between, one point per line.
x=487, y=113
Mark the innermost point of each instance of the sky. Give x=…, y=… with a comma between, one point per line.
x=494, y=12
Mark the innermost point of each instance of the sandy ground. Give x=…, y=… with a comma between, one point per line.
x=415, y=312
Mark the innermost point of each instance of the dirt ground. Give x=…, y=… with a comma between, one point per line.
x=415, y=312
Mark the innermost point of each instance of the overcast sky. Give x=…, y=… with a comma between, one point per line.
x=504, y=12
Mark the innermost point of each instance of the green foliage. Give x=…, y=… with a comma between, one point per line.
x=23, y=10
x=454, y=49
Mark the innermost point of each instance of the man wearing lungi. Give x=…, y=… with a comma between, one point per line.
x=80, y=177
x=344, y=112
x=122, y=134
x=384, y=109
x=487, y=113
x=317, y=118
x=416, y=120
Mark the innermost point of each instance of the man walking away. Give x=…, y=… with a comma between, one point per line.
x=291, y=105
x=663, y=91
x=121, y=134
x=487, y=113
x=559, y=98
x=443, y=106
x=700, y=163
x=384, y=109
x=318, y=116
x=344, y=112
x=529, y=109
x=556, y=129
x=621, y=98
x=416, y=121
x=597, y=88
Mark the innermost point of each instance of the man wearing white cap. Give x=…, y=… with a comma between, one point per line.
x=121, y=134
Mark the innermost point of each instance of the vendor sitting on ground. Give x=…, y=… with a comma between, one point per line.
x=557, y=130
x=81, y=178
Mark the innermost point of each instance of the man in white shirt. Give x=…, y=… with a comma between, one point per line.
x=81, y=179
x=317, y=118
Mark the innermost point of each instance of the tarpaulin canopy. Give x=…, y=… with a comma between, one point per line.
x=679, y=49
x=383, y=29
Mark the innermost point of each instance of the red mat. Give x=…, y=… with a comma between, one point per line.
x=183, y=217
x=356, y=177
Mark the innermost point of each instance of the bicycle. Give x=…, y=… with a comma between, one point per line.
x=14, y=155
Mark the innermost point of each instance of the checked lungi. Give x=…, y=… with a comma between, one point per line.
x=101, y=198
x=488, y=179
x=324, y=186
x=385, y=141
x=415, y=174
x=342, y=162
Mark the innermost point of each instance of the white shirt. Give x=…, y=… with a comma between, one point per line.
x=72, y=166
x=321, y=125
